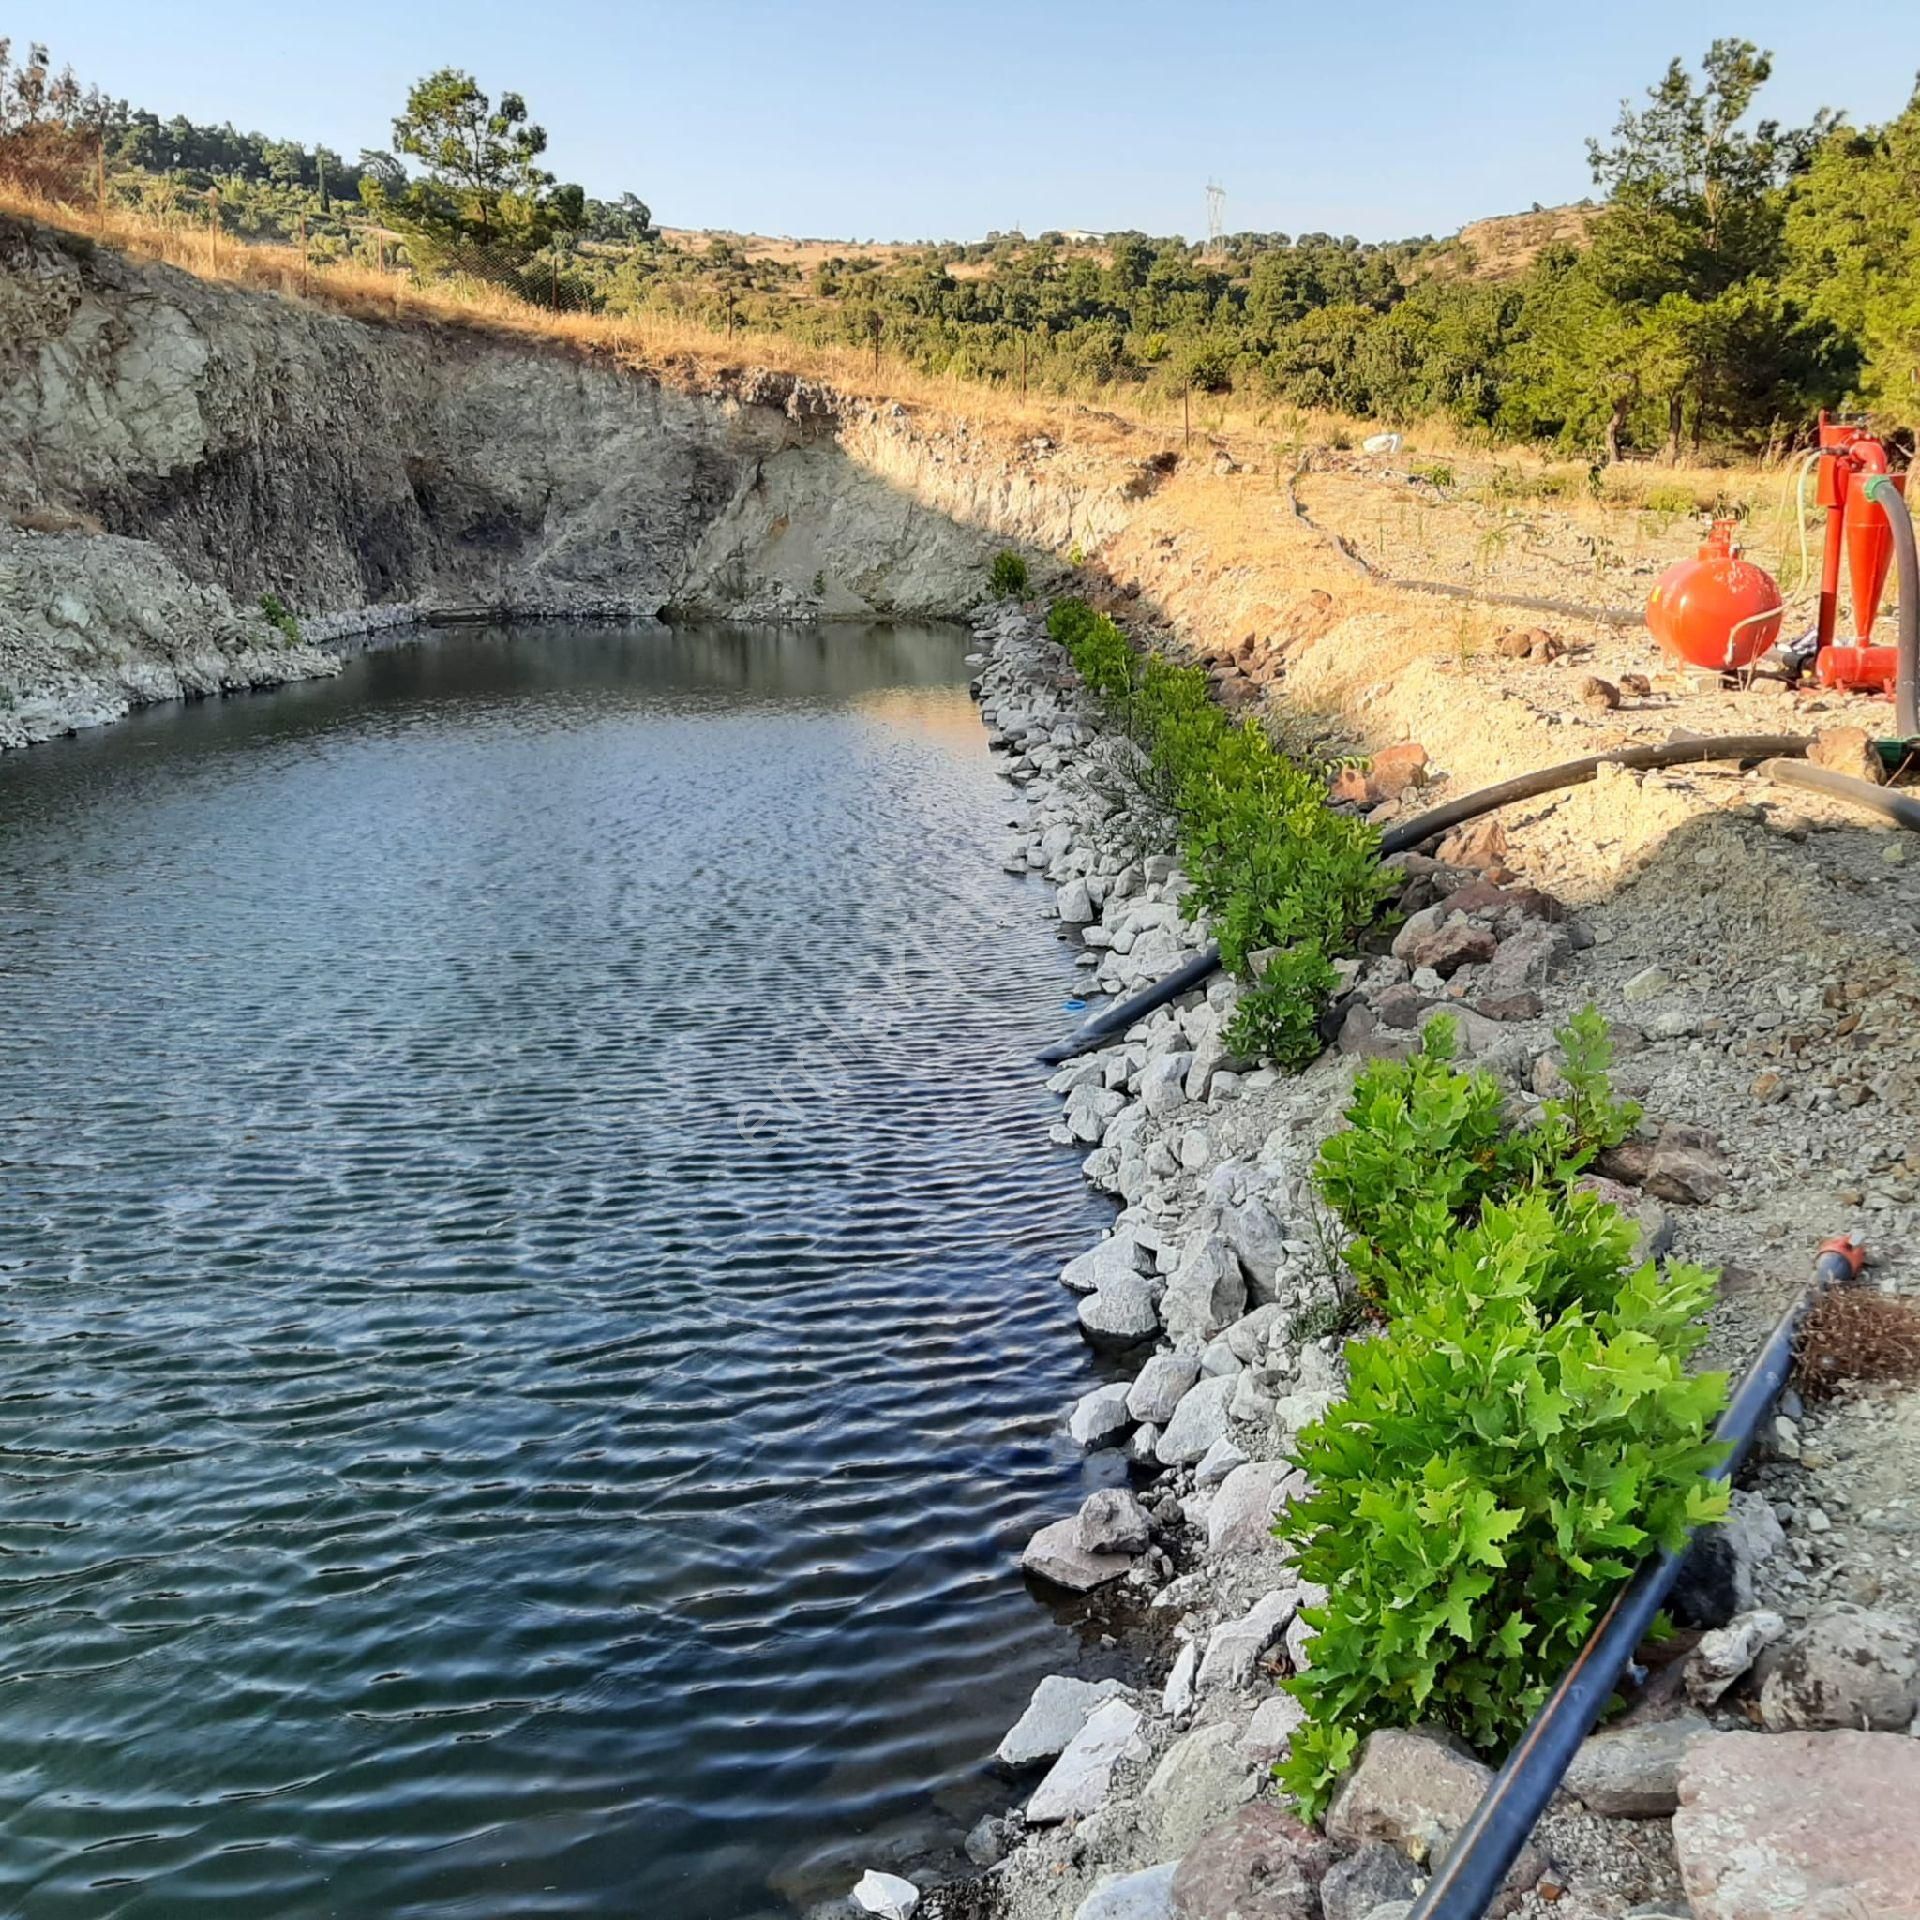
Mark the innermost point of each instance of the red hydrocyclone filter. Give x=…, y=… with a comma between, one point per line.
x=1715, y=610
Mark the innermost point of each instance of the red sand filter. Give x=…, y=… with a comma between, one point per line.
x=1716, y=610
x=1852, y=459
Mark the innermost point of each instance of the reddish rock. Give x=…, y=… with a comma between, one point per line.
x=1350, y=787
x=1361, y=1034
x=1522, y=1004
x=1685, y=1164
x=1528, y=643
x=1824, y=1826
x=1480, y=844
x=1395, y=769
x=1601, y=695
x=1847, y=750
x=1260, y=1865
x=1449, y=947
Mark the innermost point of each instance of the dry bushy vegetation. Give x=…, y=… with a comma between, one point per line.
x=1856, y=1338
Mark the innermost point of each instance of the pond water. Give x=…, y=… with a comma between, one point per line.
x=529, y=1338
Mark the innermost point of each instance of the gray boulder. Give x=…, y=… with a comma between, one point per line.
x=1207, y=1293
x=1634, y=1773
x=1088, y=1111
x=1234, y=1647
x=1083, y=1775
x=1845, y=1668
x=1120, y=1314
x=1074, y=904
x=1241, y=1517
x=1160, y=1386
x=1414, y=1792
x=1728, y=1653
x=1198, y=1421
x=1111, y=1520
x=1058, y=1709
x=1163, y=1083
x=1099, y=1416
x=1086, y=1272
x=1201, y=1777
x=1365, y=1881
x=1146, y=1895
x=1055, y=1554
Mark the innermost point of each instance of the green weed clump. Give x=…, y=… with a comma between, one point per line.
x=1285, y=881
x=1519, y=1434
x=1009, y=576
x=1672, y=498
x=280, y=615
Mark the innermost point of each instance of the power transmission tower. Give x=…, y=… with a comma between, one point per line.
x=1216, y=214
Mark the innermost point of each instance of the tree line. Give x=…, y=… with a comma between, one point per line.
x=1734, y=275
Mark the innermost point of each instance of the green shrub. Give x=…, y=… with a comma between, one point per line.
x=1427, y=1145
x=1272, y=866
x=1521, y=1433
x=1278, y=1014
x=1097, y=648
x=281, y=615
x=1671, y=498
x=1009, y=576
x=1436, y=473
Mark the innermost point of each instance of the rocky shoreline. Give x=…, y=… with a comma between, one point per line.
x=1220, y=1279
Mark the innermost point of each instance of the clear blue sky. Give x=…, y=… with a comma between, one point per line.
x=898, y=119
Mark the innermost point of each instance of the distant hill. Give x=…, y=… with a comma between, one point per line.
x=1505, y=245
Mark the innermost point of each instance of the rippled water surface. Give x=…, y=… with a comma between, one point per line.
x=528, y=1330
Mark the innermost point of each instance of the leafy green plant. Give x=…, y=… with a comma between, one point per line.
x=1278, y=1013
x=1518, y=1436
x=1671, y=499
x=1009, y=575
x=1097, y=648
x=281, y=615
x=1436, y=473
x=1276, y=871
x=1427, y=1145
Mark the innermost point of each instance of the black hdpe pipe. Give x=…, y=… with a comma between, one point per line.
x=1906, y=687
x=1113, y=1020
x=1490, y=1842
x=1901, y=808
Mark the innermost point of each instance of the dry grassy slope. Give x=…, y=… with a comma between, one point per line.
x=1507, y=244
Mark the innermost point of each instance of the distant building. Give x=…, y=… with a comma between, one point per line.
x=1081, y=236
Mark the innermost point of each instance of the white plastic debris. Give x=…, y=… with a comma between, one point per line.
x=886, y=1894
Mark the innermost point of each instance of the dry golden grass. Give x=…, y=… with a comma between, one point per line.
x=1266, y=439
x=652, y=342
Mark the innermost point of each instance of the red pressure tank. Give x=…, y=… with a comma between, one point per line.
x=1715, y=610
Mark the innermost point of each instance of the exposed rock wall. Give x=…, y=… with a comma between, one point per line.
x=172, y=450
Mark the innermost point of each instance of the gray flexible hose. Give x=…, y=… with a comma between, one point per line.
x=1906, y=688
x=1901, y=808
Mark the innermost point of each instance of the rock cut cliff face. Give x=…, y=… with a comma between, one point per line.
x=173, y=450
x=267, y=446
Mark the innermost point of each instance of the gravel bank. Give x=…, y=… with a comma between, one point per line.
x=1218, y=1272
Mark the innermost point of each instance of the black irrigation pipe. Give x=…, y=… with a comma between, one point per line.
x=1477, y=1862
x=1114, y=1020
